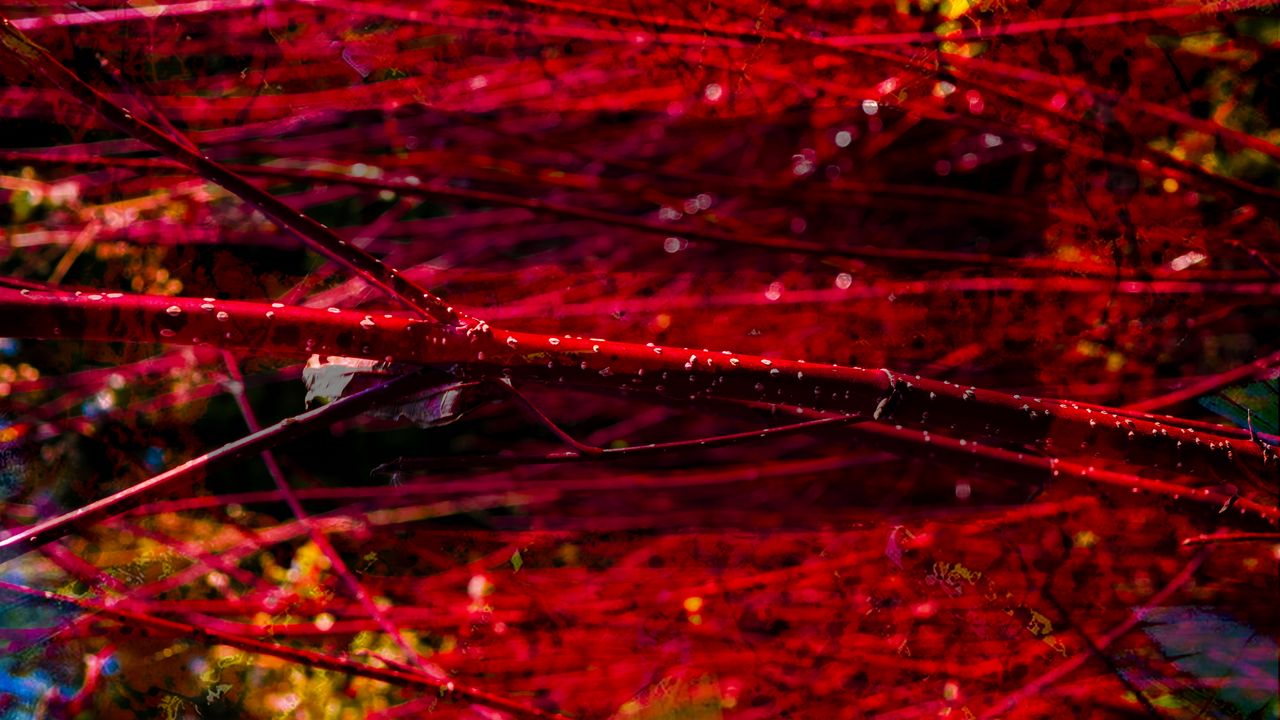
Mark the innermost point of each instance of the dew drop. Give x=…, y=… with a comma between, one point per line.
x=554, y=341
x=173, y=310
x=222, y=316
x=367, y=323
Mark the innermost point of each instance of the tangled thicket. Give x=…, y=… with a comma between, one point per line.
x=658, y=360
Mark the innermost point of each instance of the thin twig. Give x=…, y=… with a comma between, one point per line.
x=171, y=628
x=47, y=531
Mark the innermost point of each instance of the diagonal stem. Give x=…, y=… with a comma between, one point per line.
x=40, y=62
x=295, y=506
x=164, y=627
x=970, y=413
x=42, y=533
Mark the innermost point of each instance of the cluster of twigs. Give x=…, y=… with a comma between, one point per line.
x=907, y=310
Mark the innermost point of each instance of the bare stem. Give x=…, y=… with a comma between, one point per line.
x=52, y=529
x=40, y=62
x=173, y=628
x=1056, y=427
